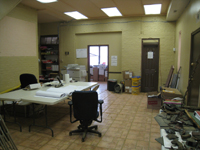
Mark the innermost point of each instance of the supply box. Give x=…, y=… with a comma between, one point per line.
x=127, y=74
x=154, y=100
x=128, y=87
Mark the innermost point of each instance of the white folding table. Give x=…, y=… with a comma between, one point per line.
x=29, y=96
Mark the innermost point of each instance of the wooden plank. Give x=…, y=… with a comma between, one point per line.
x=169, y=76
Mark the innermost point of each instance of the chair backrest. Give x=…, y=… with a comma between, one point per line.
x=85, y=104
x=27, y=79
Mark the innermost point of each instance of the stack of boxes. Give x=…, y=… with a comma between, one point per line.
x=127, y=77
x=95, y=74
x=136, y=83
x=101, y=72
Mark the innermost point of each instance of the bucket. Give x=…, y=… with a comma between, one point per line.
x=135, y=90
x=136, y=80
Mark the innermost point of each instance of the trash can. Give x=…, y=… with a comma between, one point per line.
x=111, y=84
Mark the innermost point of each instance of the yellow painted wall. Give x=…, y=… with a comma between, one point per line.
x=186, y=24
x=111, y=39
x=22, y=58
x=132, y=31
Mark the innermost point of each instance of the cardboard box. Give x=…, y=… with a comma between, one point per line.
x=105, y=79
x=128, y=82
x=170, y=93
x=95, y=74
x=91, y=78
x=127, y=74
x=128, y=89
x=153, y=102
x=128, y=86
x=101, y=77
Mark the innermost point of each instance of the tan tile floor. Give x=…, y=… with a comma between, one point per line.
x=127, y=125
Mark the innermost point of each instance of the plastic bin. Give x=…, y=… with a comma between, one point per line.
x=136, y=80
x=111, y=84
x=135, y=90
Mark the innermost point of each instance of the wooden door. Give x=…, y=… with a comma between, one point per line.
x=150, y=66
x=194, y=86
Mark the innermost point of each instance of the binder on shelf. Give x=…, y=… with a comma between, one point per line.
x=197, y=114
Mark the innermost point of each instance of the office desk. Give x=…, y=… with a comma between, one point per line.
x=29, y=96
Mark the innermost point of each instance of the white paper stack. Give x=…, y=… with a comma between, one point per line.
x=50, y=94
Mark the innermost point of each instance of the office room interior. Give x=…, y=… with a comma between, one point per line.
x=24, y=22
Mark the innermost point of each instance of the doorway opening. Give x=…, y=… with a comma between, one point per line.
x=98, y=62
x=150, y=64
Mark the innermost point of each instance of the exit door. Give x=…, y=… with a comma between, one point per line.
x=150, y=65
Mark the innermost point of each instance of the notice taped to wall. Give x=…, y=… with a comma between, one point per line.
x=81, y=53
x=150, y=55
x=113, y=60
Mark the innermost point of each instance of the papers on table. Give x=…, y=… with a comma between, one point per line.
x=50, y=94
x=59, y=92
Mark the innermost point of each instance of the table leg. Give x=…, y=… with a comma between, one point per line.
x=46, y=121
x=14, y=113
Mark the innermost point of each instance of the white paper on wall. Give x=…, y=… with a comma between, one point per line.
x=81, y=53
x=150, y=55
x=113, y=60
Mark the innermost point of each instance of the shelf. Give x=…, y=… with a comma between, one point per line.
x=49, y=70
x=50, y=63
x=49, y=54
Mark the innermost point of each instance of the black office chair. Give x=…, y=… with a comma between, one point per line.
x=27, y=79
x=85, y=109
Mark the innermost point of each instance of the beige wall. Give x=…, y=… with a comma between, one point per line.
x=111, y=39
x=132, y=30
x=22, y=45
x=186, y=24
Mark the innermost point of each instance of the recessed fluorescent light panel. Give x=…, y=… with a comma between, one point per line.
x=111, y=12
x=47, y=1
x=152, y=9
x=76, y=15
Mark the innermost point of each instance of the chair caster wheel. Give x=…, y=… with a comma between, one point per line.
x=83, y=139
x=99, y=135
x=70, y=134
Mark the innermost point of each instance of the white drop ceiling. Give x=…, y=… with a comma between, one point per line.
x=54, y=12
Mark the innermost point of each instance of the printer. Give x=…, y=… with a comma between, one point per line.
x=77, y=72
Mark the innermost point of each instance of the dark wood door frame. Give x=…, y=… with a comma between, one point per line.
x=145, y=42
x=193, y=84
x=88, y=53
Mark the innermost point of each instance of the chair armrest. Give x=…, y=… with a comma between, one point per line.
x=100, y=101
x=70, y=103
